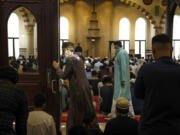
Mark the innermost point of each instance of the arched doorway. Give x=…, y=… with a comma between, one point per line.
x=37, y=37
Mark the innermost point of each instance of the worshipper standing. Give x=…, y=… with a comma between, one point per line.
x=80, y=101
x=122, y=124
x=78, y=50
x=39, y=122
x=93, y=81
x=158, y=84
x=88, y=71
x=137, y=103
x=121, y=77
x=97, y=65
x=13, y=104
x=106, y=94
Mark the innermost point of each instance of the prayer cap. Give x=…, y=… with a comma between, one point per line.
x=122, y=103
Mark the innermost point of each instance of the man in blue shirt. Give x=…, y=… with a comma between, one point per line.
x=158, y=84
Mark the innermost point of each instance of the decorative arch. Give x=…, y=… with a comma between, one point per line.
x=157, y=25
x=131, y=3
x=140, y=8
x=25, y=14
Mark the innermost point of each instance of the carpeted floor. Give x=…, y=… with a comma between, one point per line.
x=100, y=118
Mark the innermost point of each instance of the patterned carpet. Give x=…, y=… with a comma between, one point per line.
x=100, y=118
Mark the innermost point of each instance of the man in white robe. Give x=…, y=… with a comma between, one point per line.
x=39, y=122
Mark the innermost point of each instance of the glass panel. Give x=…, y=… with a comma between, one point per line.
x=140, y=33
x=123, y=45
x=176, y=34
x=61, y=42
x=143, y=48
x=127, y=46
x=64, y=32
x=22, y=40
x=124, y=29
x=16, y=48
x=177, y=49
x=136, y=47
x=176, y=27
x=64, y=28
x=10, y=46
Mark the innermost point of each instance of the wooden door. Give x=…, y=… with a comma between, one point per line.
x=46, y=14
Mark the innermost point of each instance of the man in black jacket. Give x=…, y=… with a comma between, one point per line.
x=158, y=84
x=13, y=104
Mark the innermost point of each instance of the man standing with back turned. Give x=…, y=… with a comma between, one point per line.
x=159, y=85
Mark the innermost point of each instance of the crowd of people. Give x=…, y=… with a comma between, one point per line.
x=124, y=85
x=23, y=64
x=100, y=74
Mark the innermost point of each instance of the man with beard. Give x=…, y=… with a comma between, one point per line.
x=80, y=91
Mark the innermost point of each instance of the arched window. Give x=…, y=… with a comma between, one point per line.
x=140, y=37
x=13, y=36
x=124, y=33
x=64, y=31
x=176, y=37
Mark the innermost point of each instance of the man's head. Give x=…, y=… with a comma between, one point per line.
x=68, y=48
x=117, y=44
x=122, y=106
x=40, y=101
x=161, y=46
x=8, y=73
x=107, y=80
x=94, y=73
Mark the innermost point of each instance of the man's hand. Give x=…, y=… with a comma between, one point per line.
x=122, y=83
x=55, y=65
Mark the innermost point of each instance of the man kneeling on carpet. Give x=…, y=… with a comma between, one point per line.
x=122, y=123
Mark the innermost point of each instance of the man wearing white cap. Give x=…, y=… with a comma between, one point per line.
x=122, y=124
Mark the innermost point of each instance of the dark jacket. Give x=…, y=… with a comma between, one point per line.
x=159, y=85
x=13, y=107
x=106, y=92
x=121, y=125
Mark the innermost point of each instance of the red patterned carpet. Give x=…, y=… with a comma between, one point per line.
x=101, y=118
